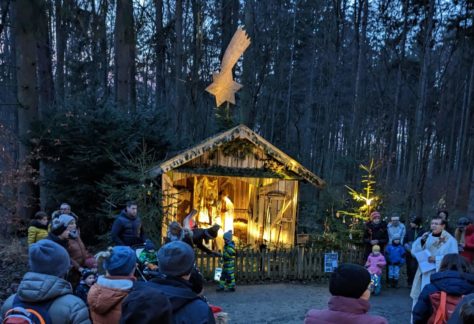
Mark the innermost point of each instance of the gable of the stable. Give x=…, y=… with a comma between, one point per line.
x=238, y=158
x=235, y=150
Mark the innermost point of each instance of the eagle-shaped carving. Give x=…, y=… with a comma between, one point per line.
x=223, y=86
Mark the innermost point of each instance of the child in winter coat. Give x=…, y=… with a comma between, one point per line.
x=227, y=281
x=395, y=256
x=375, y=263
x=87, y=280
x=148, y=256
x=38, y=229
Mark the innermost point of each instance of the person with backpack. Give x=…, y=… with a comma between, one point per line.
x=176, y=261
x=438, y=299
x=44, y=296
x=106, y=296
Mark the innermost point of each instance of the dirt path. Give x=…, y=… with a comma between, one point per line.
x=288, y=303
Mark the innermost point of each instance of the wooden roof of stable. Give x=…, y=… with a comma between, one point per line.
x=240, y=132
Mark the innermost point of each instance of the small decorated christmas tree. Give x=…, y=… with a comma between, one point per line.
x=365, y=200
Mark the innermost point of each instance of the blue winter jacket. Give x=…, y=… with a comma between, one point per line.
x=188, y=307
x=127, y=231
x=451, y=281
x=395, y=254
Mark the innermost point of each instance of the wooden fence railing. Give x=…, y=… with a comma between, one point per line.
x=278, y=265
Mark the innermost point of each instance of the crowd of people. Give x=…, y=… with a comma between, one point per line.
x=63, y=285
x=439, y=272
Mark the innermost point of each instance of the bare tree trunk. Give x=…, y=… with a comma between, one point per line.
x=417, y=130
x=470, y=209
x=178, y=112
x=160, y=57
x=392, y=151
x=61, y=13
x=45, y=82
x=45, y=73
x=25, y=26
x=467, y=101
x=290, y=79
x=125, y=91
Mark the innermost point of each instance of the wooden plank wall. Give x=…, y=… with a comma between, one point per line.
x=298, y=263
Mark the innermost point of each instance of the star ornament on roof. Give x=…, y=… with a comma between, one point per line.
x=223, y=86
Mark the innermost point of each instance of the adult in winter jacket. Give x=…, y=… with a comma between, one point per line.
x=38, y=228
x=176, y=260
x=49, y=263
x=349, y=303
x=106, y=296
x=145, y=304
x=454, y=278
x=60, y=230
x=464, y=234
x=127, y=228
x=64, y=209
x=395, y=228
x=375, y=233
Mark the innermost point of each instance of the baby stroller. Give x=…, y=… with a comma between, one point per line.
x=144, y=271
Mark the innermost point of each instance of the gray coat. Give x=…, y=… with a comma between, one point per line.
x=66, y=307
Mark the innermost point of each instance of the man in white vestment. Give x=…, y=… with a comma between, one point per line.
x=433, y=246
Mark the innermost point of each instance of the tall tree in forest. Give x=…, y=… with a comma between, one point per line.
x=25, y=27
x=160, y=53
x=125, y=45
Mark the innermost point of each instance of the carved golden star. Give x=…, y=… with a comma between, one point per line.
x=223, y=88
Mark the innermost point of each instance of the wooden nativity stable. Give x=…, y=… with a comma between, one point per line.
x=240, y=181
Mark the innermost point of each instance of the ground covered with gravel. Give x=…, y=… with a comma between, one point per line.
x=288, y=303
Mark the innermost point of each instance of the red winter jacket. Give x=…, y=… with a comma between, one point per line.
x=344, y=310
x=468, y=252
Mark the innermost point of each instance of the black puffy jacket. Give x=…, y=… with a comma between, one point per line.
x=127, y=230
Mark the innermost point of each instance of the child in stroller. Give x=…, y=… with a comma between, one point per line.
x=147, y=260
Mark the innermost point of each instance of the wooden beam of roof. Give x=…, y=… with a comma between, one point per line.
x=238, y=132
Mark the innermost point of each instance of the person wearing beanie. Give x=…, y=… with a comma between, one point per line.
x=395, y=228
x=176, y=263
x=395, y=256
x=227, y=280
x=375, y=263
x=464, y=235
x=80, y=256
x=148, y=256
x=48, y=264
x=146, y=304
x=88, y=278
x=201, y=235
x=106, y=296
x=60, y=229
x=38, y=228
x=414, y=231
x=375, y=232
x=349, y=303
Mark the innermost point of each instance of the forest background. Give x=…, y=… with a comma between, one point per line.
x=94, y=92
